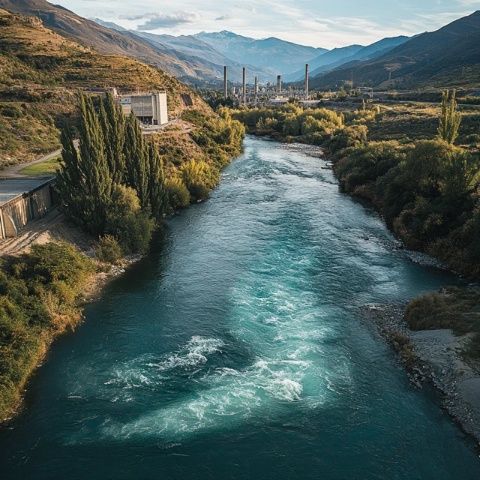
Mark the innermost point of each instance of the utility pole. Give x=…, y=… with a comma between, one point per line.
x=244, y=91
x=225, y=82
x=307, y=73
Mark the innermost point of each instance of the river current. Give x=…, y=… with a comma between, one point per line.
x=237, y=350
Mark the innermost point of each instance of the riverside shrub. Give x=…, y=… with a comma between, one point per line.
x=108, y=249
x=38, y=299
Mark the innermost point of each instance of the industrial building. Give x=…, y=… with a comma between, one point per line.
x=269, y=94
x=21, y=201
x=149, y=108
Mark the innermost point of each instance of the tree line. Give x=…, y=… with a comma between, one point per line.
x=427, y=190
x=114, y=183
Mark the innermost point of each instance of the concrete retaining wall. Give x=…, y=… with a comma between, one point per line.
x=18, y=212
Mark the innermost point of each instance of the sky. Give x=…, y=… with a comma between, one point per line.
x=319, y=23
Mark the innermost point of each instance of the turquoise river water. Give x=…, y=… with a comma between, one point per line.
x=236, y=350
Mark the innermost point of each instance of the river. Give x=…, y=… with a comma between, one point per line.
x=236, y=350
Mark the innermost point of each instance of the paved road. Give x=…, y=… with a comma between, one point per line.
x=14, y=170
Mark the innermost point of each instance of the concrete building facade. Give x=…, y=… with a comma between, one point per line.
x=22, y=201
x=149, y=108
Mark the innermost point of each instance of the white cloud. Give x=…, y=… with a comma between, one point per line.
x=319, y=23
x=155, y=21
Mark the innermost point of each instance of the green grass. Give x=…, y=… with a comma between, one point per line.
x=49, y=167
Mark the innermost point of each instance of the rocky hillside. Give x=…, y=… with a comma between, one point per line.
x=109, y=41
x=40, y=71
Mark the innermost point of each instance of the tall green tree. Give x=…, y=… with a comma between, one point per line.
x=84, y=181
x=156, y=182
x=113, y=125
x=136, y=159
x=70, y=178
x=450, y=118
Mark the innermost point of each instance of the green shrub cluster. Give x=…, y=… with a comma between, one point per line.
x=108, y=250
x=38, y=299
x=197, y=171
x=426, y=192
x=316, y=126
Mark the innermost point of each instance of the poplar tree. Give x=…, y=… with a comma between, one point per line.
x=113, y=126
x=70, y=178
x=85, y=182
x=156, y=182
x=136, y=154
x=450, y=118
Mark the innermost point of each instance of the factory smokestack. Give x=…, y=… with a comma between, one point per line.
x=225, y=82
x=279, y=84
x=244, y=91
x=307, y=74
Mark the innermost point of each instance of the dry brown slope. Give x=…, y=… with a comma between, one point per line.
x=40, y=72
x=108, y=41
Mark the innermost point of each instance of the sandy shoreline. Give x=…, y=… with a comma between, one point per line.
x=433, y=357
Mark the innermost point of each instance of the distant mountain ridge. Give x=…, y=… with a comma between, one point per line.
x=340, y=56
x=113, y=41
x=272, y=54
x=448, y=56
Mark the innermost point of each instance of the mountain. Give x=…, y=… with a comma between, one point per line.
x=340, y=56
x=272, y=54
x=40, y=73
x=378, y=48
x=110, y=25
x=332, y=57
x=448, y=56
x=192, y=46
x=111, y=41
x=369, y=52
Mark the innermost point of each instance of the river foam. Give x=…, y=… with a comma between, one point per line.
x=276, y=317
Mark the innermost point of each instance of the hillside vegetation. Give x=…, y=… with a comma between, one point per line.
x=40, y=72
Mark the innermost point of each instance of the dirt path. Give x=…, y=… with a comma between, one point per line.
x=52, y=227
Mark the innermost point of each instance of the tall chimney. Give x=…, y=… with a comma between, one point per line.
x=256, y=90
x=244, y=91
x=307, y=74
x=225, y=82
x=279, y=84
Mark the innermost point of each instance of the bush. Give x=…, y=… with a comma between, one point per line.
x=38, y=293
x=178, y=194
x=353, y=136
x=108, y=250
x=199, y=178
x=127, y=223
x=365, y=164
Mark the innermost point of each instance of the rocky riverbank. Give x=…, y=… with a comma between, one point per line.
x=433, y=357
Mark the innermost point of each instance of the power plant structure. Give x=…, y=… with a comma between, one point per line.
x=244, y=86
x=225, y=82
x=150, y=108
x=307, y=79
x=266, y=94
